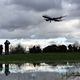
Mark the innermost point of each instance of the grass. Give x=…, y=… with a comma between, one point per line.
x=40, y=57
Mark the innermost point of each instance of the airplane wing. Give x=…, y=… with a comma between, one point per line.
x=57, y=20
x=59, y=17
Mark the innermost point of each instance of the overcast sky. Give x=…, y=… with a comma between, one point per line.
x=22, y=19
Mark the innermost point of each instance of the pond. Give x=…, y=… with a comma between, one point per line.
x=40, y=71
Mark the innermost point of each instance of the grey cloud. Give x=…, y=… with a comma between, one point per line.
x=45, y=31
x=74, y=1
x=38, y=5
x=71, y=7
x=77, y=2
x=12, y=19
x=23, y=19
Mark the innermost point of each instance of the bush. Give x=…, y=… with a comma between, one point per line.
x=17, y=50
x=35, y=49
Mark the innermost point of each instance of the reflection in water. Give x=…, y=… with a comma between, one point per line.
x=1, y=67
x=40, y=71
x=7, y=72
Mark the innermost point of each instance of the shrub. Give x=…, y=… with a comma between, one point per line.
x=35, y=49
x=17, y=50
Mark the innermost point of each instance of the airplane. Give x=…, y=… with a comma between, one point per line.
x=56, y=19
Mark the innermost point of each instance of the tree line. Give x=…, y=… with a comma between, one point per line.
x=48, y=49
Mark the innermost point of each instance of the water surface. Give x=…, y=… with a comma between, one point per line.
x=41, y=71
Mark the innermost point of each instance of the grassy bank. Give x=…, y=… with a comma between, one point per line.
x=41, y=57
